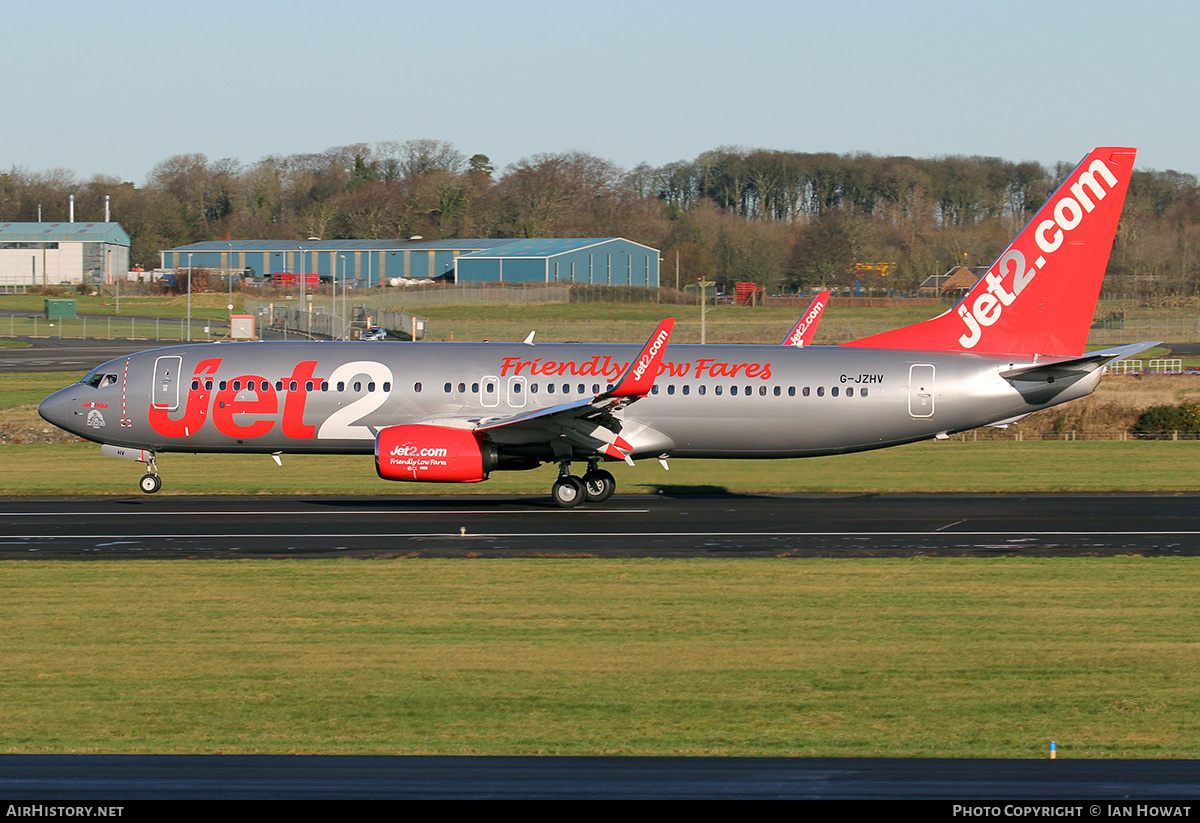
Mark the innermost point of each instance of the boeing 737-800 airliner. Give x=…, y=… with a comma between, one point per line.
x=455, y=412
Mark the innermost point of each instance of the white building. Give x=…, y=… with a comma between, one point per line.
x=51, y=254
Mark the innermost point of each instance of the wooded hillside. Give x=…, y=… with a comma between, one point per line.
x=787, y=220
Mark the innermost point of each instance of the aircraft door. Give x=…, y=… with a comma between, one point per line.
x=920, y=390
x=516, y=392
x=164, y=391
x=489, y=390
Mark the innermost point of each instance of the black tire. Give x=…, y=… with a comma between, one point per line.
x=599, y=485
x=568, y=492
x=150, y=483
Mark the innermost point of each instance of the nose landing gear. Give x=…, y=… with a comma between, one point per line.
x=150, y=482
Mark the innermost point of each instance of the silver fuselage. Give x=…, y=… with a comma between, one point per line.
x=708, y=401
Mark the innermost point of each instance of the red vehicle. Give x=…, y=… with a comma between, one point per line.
x=287, y=278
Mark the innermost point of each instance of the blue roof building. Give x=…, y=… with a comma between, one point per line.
x=598, y=261
x=602, y=261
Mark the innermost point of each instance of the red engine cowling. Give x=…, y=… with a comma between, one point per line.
x=430, y=454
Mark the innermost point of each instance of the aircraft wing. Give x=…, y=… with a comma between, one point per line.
x=588, y=423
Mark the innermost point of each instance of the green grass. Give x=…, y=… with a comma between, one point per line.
x=210, y=306
x=929, y=658
x=31, y=388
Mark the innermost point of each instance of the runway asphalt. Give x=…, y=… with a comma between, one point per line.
x=46, y=354
x=993, y=788
x=68, y=354
x=794, y=525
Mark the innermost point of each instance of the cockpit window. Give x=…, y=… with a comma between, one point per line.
x=98, y=380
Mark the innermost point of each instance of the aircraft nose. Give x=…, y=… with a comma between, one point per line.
x=54, y=409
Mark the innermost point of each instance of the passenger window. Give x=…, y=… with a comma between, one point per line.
x=671, y=389
x=834, y=391
x=358, y=385
x=417, y=388
x=733, y=390
x=446, y=388
x=717, y=389
x=687, y=389
x=341, y=386
x=850, y=391
x=820, y=391
x=387, y=387
x=862, y=392
x=371, y=386
x=805, y=392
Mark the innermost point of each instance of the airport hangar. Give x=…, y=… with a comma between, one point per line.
x=602, y=261
x=51, y=254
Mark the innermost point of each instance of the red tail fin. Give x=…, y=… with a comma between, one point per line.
x=1040, y=296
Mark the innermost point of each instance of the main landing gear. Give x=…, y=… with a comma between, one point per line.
x=150, y=482
x=569, y=491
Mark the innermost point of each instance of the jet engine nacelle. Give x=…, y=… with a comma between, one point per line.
x=433, y=454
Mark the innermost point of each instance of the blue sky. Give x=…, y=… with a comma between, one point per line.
x=115, y=88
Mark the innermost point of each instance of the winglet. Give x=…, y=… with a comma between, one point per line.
x=803, y=332
x=639, y=378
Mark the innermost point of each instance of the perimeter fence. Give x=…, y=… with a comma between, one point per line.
x=110, y=328
x=401, y=315
x=1015, y=435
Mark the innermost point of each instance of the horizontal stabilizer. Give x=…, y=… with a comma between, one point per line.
x=1076, y=366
